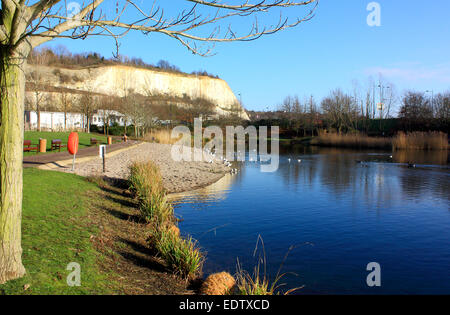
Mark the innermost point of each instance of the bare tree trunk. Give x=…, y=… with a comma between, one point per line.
x=11, y=156
x=38, y=113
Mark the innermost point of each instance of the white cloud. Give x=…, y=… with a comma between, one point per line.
x=414, y=73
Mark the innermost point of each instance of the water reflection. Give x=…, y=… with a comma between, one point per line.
x=422, y=157
x=354, y=206
x=212, y=193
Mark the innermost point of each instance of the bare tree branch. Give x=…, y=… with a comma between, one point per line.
x=47, y=19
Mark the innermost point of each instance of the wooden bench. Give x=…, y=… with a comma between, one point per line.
x=57, y=145
x=95, y=141
x=28, y=147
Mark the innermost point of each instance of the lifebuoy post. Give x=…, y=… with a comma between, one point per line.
x=72, y=146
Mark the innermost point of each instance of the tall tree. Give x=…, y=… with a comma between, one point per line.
x=88, y=104
x=26, y=24
x=36, y=84
x=415, y=110
x=66, y=101
x=341, y=110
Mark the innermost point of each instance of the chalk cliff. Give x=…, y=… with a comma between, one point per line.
x=117, y=79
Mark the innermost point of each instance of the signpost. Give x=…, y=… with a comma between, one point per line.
x=102, y=154
x=72, y=146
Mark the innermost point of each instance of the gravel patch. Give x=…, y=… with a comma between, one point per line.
x=177, y=176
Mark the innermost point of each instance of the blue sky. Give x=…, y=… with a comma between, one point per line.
x=411, y=49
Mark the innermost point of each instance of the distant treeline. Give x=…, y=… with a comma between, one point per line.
x=62, y=57
x=343, y=113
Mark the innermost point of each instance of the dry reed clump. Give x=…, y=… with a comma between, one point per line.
x=174, y=229
x=420, y=141
x=163, y=136
x=218, y=284
x=146, y=182
x=351, y=141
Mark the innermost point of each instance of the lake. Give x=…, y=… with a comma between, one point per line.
x=337, y=214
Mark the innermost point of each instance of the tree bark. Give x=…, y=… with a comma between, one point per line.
x=12, y=97
x=38, y=113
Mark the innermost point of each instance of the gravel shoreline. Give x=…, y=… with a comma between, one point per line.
x=177, y=176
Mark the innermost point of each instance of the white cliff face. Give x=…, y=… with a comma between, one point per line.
x=116, y=80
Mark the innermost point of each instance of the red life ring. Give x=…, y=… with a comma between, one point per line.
x=72, y=144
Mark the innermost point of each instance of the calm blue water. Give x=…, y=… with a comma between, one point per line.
x=339, y=214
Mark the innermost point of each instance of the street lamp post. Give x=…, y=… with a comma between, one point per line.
x=381, y=107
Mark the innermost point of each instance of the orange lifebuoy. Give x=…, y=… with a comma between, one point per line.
x=72, y=144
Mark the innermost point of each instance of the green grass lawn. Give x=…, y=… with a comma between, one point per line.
x=84, y=138
x=56, y=231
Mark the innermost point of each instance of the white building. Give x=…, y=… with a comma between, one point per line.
x=113, y=116
x=54, y=121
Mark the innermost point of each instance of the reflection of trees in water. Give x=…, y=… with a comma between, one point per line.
x=337, y=171
x=437, y=157
x=294, y=173
x=370, y=182
x=417, y=184
x=379, y=185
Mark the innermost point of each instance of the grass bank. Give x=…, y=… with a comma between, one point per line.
x=67, y=218
x=56, y=232
x=85, y=138
x=180, y=254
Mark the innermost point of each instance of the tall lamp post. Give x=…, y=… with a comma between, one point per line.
x=381, y=105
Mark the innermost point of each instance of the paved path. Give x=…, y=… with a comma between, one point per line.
x=45, y=158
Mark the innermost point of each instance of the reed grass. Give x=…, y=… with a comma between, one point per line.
x=146, y=182
x=420, y=141
x=180, y=254
x=163, y=136
x=258, y=282
x=402, y=141
x=359, y=141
